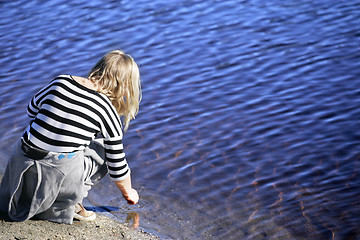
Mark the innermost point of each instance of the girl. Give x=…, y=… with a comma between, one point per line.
x=61, y=155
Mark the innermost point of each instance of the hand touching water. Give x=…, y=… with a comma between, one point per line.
x=130, y=194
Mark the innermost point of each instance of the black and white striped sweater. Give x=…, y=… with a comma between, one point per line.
x=67, y=116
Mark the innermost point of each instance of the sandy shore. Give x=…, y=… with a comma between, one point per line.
x=102, y=228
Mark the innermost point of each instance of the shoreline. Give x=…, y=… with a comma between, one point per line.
x=103, y=227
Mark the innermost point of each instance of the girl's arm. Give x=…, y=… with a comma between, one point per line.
x=130, y=194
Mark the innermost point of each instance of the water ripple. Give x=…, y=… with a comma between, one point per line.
x=248, y=125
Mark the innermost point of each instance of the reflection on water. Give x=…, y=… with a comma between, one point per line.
x=248, y=128
x=133, y=220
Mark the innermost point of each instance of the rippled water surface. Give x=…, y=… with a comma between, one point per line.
x=249, y=124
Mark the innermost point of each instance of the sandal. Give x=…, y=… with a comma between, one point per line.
x=82, y=214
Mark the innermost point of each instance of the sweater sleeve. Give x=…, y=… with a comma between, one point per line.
x=116, y=161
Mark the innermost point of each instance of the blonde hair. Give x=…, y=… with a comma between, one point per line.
x=118, y=77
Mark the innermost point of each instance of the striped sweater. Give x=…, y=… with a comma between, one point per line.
x=67, y=116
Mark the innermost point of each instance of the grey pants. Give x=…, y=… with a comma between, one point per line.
x=94, y=164
x=49, y=187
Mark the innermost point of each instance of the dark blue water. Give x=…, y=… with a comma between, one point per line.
x=249, y=124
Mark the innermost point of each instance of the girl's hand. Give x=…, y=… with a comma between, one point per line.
x=131, y=196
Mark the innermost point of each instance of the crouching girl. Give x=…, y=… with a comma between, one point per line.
x=73, y=140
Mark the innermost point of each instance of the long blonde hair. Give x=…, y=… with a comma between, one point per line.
x=118, y=77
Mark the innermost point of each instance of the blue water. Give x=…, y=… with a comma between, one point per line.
x=249, y=124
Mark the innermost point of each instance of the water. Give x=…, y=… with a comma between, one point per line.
x=248, y=128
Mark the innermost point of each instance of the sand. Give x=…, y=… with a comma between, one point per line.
x=102, y=228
